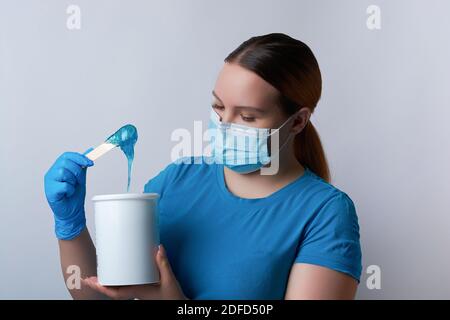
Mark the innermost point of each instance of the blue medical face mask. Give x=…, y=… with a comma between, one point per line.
x=241, y=148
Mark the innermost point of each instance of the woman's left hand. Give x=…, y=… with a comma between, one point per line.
x=167, y=288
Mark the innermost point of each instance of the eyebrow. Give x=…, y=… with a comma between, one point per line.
x=259, y=110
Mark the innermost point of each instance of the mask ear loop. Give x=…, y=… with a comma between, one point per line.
x=286, y=140
x=284, y=123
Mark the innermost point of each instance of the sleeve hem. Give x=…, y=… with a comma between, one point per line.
x=346, y=268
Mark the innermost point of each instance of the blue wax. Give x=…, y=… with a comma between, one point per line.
x=126, y=138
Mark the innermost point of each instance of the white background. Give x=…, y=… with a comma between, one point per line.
x=383, y=116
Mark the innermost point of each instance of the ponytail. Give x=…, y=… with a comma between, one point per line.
x=309, y=151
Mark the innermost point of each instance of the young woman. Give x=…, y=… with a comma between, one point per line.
x=229, y=230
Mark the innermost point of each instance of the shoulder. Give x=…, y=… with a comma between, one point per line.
x=326, y=193
x=180, y=169
x=329, y=203
x=331, y=237
x=190, y=166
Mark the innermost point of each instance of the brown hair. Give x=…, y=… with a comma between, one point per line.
x=290, y=66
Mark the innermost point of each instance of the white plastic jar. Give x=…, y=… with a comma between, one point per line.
x=127, y=237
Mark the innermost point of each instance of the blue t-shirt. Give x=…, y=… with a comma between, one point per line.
x=221, y=246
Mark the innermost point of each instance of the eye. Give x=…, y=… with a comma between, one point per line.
x=247, y=118
x=217, y=107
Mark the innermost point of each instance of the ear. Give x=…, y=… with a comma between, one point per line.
x=300, y=120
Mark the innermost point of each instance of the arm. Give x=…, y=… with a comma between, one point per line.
x=80, y=252
x=307, y=281
x=65, y=189
x=328, y=261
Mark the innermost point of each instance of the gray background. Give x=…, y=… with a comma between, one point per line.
x=383, y=116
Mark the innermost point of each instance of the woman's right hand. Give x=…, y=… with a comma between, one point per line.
x=65, y=189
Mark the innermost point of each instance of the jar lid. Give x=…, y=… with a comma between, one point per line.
x=126, y=196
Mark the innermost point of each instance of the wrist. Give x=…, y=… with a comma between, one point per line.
x=68, y=229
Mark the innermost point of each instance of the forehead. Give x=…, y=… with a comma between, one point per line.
x=237, y=86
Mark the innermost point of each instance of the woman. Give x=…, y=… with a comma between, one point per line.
x=233, y=228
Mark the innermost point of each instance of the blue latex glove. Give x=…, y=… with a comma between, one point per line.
x=65, y=189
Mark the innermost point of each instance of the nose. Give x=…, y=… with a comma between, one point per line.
x=226, y=116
